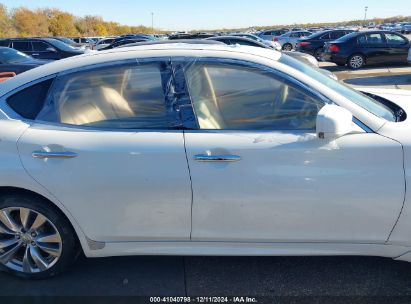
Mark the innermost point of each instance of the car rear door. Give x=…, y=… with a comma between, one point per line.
x=374, y=47
x=23, y=46
x=260, y=174
x=398, y=47
x=108, y=145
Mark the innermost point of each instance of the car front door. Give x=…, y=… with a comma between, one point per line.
x=398, y=47
x=260, y=174
x=108, y=145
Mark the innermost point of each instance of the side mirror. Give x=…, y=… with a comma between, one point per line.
x=333, y=122
x=51, y=49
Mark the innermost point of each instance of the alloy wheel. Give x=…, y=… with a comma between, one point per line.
x=29, y=242
x=356, y=61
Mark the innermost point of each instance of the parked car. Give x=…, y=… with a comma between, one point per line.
x=114, y=166
x=289, y=40
x=364, y=48
x=83, y=41
x=122, y=42
x=6, y=76
x=17, y=62
x=42, y=48
x=101, y=44
x=406, y=28
x=70, y=42
x=272, y=34
x=232, y=40
x=314, y=44
x=179, y=36
x=258, y=39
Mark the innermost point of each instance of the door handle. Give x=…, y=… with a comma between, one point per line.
x=216, y=158
x=35, y=54
x=47, y=155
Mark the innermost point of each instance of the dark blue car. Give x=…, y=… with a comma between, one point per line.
x=364, y=48
x=17, y=62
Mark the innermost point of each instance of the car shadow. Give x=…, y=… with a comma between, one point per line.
x=335, y=68
x=223, y=276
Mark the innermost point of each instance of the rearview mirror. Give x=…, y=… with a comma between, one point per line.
x=333, y=122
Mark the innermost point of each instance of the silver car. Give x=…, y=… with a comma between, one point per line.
x=290, y=39
x=272, y=34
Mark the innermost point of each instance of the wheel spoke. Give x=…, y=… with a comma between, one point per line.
x=24, y=217
x=38, y=258
x=8, y=221
x=7, y=243
x=9, y=255
x=38, y=222
x=49, y=238
x=5, y=230
x=26, y=261
x=51, y=249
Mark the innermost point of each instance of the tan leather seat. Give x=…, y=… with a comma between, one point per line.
x=94, y=104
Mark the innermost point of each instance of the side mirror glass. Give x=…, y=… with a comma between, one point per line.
x=333, y=121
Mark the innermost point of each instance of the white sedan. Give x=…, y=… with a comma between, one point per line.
x=198, y=150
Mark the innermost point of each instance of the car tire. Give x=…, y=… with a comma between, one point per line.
x=287, y=47
x=356, y=61
x=36, y=240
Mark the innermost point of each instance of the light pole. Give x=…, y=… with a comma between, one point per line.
x=152, y=23
x=365, y=16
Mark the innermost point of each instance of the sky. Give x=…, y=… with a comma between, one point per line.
x=212, y=14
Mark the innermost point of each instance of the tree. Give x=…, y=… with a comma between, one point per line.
x=61, y=23
x=6, y=29
x=30, y=23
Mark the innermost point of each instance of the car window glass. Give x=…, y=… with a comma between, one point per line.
x=39, y=46
x=325, y=36
x=336, y=35
x=22, y=46
x=374, y=39
x=362, y=39
x=122, y=97
x=4, y=43
x=373, y=106
x=395, y=39
x=28, y=102
x=240, y=98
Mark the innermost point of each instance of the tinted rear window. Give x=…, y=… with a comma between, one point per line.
x=29, y=102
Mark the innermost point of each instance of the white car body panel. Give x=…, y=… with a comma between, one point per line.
x=136, y=209
x=352, y=188
x=293, y=187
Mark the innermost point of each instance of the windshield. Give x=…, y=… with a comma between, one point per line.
x=371, y=105
x=66, y=40
x=61, y=45
x=12, y=56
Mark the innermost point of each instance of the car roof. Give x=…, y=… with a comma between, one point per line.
x=143, y=51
